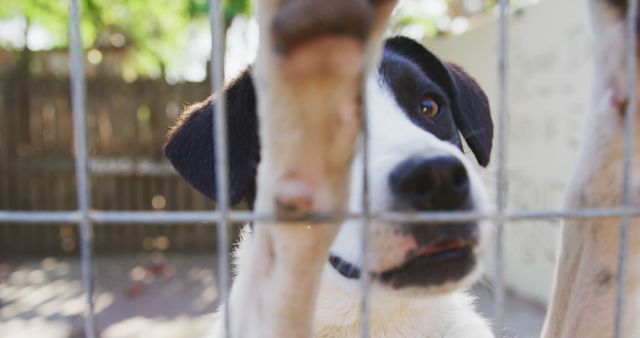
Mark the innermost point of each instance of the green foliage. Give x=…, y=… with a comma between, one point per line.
x=422, y=18
x=231, y=8
x=155, y=32
x=153, y=29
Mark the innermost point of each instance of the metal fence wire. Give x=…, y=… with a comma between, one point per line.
x=85, y=218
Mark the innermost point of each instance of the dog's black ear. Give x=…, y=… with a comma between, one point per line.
x=473, y=115
x=470, y=105
x=190, y=146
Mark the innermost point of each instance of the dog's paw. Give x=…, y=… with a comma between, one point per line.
x=309, y=74
x=299, y=22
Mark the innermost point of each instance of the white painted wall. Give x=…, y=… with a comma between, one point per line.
x=549, y=88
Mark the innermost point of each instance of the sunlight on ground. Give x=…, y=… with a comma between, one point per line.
x=144, y=296
x=135, y=296
x=35, y=327
x=158, y=328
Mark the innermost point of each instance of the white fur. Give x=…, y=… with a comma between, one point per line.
x=437, y=312
x=393, y=139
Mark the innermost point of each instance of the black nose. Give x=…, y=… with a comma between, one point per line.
x=430, y=183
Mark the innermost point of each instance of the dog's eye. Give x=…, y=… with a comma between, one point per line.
x=429, y=107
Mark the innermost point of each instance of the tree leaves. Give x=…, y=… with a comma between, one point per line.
x=154, y=30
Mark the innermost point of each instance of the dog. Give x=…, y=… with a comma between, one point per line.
x=584, y=294
x=419, y=106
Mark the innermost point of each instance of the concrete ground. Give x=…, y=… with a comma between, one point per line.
x=149, y=295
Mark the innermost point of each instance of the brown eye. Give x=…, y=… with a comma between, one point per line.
x=429, y=107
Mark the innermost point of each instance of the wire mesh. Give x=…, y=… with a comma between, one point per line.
x=78, y=91
x=501, y=178
x=206, y=217
x=364, y=233
x=219, y=125
x=629, y=137
x=84, y=217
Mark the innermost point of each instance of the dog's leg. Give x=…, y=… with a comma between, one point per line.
x=308, y=75
x=583, y=303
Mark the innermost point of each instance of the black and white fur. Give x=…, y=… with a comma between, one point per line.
x=416, y=163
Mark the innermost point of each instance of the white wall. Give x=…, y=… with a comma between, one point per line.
x=549, y=88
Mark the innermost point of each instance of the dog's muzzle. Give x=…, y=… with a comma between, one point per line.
x=443, y=252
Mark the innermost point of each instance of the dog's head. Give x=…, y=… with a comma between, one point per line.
x=419, y=110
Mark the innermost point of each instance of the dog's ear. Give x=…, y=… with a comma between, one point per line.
x=190, y=146
x=472, y=115
x=470, y=105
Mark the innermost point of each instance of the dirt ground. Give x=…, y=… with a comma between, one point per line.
x=148, y=295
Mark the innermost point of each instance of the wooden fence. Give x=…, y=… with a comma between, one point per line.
x=127, y=123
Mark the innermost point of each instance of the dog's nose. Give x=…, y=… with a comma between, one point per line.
x=430, y=183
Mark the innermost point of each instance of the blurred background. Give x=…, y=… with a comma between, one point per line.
x=145, y=61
